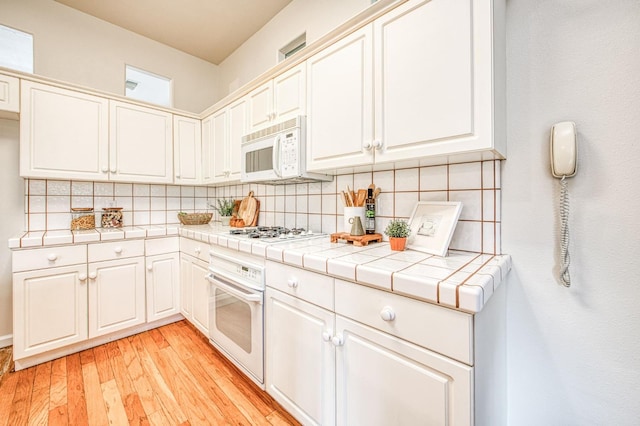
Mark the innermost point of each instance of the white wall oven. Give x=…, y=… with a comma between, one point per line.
x=236, y=317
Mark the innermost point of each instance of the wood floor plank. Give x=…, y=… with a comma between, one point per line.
x=58, y=416
x=58, y=384
x=135, y=413
x=158, y=382
x=168, y=376
x=140, y=382
x=96, y=410
x=102, y=363
x=76, y=404
x=116, y=413
x=19, y=413
x=7, y=392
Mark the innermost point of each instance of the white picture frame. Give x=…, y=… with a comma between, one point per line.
x=432, y=224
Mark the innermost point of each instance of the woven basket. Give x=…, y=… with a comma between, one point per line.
x=194, y=218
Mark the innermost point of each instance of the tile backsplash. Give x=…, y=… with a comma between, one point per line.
x=316, y=206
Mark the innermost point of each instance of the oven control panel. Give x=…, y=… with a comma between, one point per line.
x=237, y=270
x=248, y=273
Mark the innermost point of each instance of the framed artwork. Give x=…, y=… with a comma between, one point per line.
x=432, y=224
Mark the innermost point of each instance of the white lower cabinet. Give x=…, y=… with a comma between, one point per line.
x=49, y=309
x=162, y=277
x=326, y=368
x=300, y=363
x=194, y=294
x=384, y=380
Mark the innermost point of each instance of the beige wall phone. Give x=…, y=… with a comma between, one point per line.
x=563, y=149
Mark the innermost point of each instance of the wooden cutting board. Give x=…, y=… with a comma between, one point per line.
x=248, y=210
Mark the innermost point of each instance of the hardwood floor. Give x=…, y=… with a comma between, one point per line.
x=167, y=376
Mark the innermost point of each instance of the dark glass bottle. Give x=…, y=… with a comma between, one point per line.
x=370, y=213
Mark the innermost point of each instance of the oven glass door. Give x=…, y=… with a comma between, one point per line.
x=235, y=324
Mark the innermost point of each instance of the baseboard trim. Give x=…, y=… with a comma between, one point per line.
x=6, y=340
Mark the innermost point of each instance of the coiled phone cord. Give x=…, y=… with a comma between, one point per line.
x=565, y=278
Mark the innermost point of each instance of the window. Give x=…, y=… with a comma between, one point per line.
x=292, y=47
x=16, y=49
x=146, y=86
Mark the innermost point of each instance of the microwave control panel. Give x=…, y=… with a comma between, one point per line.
x=289, y=152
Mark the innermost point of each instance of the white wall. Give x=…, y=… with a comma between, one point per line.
x=573, y=353
x=75, y=47
x=260, y=52
x=12, y=213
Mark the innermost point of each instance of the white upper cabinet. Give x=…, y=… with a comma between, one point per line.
x=221, y=141
x=437, y=65
x=141, y=144
x=9, y=93
x=340, y=103
x=187, y=150
x=434, y=80
x=278, y=99
x=64, y=134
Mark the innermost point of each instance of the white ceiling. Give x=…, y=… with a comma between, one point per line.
x=208, y=29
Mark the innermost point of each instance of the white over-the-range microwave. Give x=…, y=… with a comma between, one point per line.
x=277, y=155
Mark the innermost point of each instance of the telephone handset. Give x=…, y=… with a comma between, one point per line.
x=563, y=147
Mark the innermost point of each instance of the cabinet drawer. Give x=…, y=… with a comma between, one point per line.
x=115, y=250
x=26, y=260
x=440, y=329
x=161, y=246
x=314, y=288
x=194, y=248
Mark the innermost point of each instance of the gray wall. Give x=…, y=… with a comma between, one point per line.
x=573, y=353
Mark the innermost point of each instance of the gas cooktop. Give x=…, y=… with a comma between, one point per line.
x=273, y=233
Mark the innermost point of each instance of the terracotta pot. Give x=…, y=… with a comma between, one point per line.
x=398, y=243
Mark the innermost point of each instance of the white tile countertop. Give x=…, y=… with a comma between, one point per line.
x=462, y=280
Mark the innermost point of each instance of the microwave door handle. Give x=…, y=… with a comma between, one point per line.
x=276, y=157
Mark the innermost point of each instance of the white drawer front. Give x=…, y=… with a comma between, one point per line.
x=115, y=250
x=26, y=260
x=195, y=248
x=440, y=329
x=162, y=246
x=314, y=288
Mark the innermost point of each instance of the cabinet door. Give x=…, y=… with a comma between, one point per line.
x=186, y=288
x=339, y=103
x=382, y=380
x=433, y=88
x=237, y=129
x=289, y=93
x=187, y=151
x=220, y=136
x=140, y=144
x=260, y=106
x=49, y=309
x=116, y=295
x=63, y=134
x=300, y=358
x=200, y=294
x=9, y=93
x=163, y=286
x=208, y=158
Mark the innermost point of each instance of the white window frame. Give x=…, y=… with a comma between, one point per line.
x=138, y=78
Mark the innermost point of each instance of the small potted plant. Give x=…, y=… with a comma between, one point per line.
x=398, y=231
x=225, y=209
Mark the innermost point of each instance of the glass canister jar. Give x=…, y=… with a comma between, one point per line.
x=111, y=217
x=82, y=218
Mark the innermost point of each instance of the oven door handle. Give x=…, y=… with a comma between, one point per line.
x=247, y=297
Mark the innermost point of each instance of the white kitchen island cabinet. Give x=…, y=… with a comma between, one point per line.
x=187, y=150
x=221, y=140
x=64, y=134
x=279, y=99
x=140, y=144
x=438, y=88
